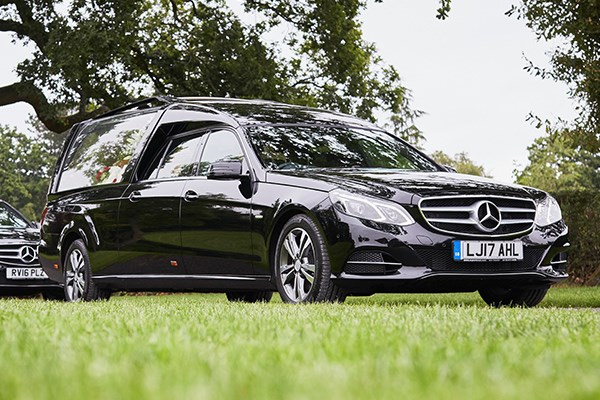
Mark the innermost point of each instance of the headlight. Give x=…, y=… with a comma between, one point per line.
x=370, y=208
x=548, y=212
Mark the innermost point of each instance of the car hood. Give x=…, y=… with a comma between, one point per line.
x=402, y=186
x=18, y=236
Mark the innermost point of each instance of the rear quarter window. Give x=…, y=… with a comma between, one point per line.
x=101, y=152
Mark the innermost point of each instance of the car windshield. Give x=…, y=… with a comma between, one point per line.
x=300, y=147
x=10, y=219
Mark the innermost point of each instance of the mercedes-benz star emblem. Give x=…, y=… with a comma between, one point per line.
x=27, y=254
x=488, y=216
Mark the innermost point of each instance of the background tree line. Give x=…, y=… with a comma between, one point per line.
x=91, y=56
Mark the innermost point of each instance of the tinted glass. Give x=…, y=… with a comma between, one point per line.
x=221, y=146
x=10, y=219
x=181, y=158
x=285, y=147
x=101, y=151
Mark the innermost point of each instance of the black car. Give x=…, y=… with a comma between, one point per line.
x=248, y=197
x=20, y=270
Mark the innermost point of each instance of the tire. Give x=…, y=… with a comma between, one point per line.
x=78, y=276
x=301, y=268
x=56, y=294
x=513, y=297
x=262, y=296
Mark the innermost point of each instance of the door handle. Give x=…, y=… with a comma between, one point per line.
x=190, y=195
x=135, y=196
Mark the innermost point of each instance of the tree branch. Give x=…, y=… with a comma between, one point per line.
x=12, y=26
x=27, y=92
x=34, y=29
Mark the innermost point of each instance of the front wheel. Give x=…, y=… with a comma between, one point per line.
x=301, y=267
x=515, y=297
x=78, y=276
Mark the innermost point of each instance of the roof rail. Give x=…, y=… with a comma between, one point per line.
x=138, y=104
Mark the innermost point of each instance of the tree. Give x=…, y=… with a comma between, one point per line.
x=26, y=165
x=460, y=162
x=557, y=163
x=93, y=56
x=575, y=24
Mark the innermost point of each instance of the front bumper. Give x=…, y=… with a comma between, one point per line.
x=423, y=280
x=415, y=259
x=25, y=286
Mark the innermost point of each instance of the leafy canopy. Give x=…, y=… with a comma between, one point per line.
x=26, y=164
x=575, y=24
x=460, y=162
x=93, y=56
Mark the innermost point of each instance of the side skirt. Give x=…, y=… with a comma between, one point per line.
x=184, y=283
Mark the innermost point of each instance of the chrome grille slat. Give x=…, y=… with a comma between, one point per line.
x=446, y=209
x=19, y=264
x=10, y=256
x=459, y=215
x=515, y=210
x=453, y=221
x=516, y=221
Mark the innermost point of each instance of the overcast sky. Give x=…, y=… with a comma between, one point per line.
x=466, y=73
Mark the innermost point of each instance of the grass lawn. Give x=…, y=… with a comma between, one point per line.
x=386, y=346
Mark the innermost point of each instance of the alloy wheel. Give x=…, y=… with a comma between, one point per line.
x=297, y=264
x=75, y=276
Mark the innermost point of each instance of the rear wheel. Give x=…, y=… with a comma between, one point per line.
x=515, y=297
x=78, y=276
x=263, y=296
x=301, y=264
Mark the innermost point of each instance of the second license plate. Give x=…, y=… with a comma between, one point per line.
x=471, y=250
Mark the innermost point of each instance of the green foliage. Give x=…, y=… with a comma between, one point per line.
x=382, y=347
x=564, y=168
x=460, y=162
x=557, y=163
x=581, y=211
x=26, y=164
x=576, y=62
x=575, y=25
x=95, y=55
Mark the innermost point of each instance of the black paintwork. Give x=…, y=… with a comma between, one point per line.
x=12, y=239
x=145, y=234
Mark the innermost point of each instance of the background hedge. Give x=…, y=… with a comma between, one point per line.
x=581, y=211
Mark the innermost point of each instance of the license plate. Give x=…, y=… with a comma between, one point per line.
x=467, y=250
x=25, y=273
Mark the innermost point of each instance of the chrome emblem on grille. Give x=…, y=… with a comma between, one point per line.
x=487, y=216
x=27, y=254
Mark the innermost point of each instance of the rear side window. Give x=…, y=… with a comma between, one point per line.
x=101, y=152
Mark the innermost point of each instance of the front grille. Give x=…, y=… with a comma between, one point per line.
x=443, y=260
x=482, y=216
x=371, y=263
x=10, y=256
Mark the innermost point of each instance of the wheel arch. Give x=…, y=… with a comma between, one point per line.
x=281, y=218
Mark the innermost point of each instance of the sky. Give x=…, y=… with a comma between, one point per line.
x=466, y=73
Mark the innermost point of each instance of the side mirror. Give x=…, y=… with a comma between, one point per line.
x=231, y=169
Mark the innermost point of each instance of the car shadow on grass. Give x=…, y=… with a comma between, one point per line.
x=564, y=297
